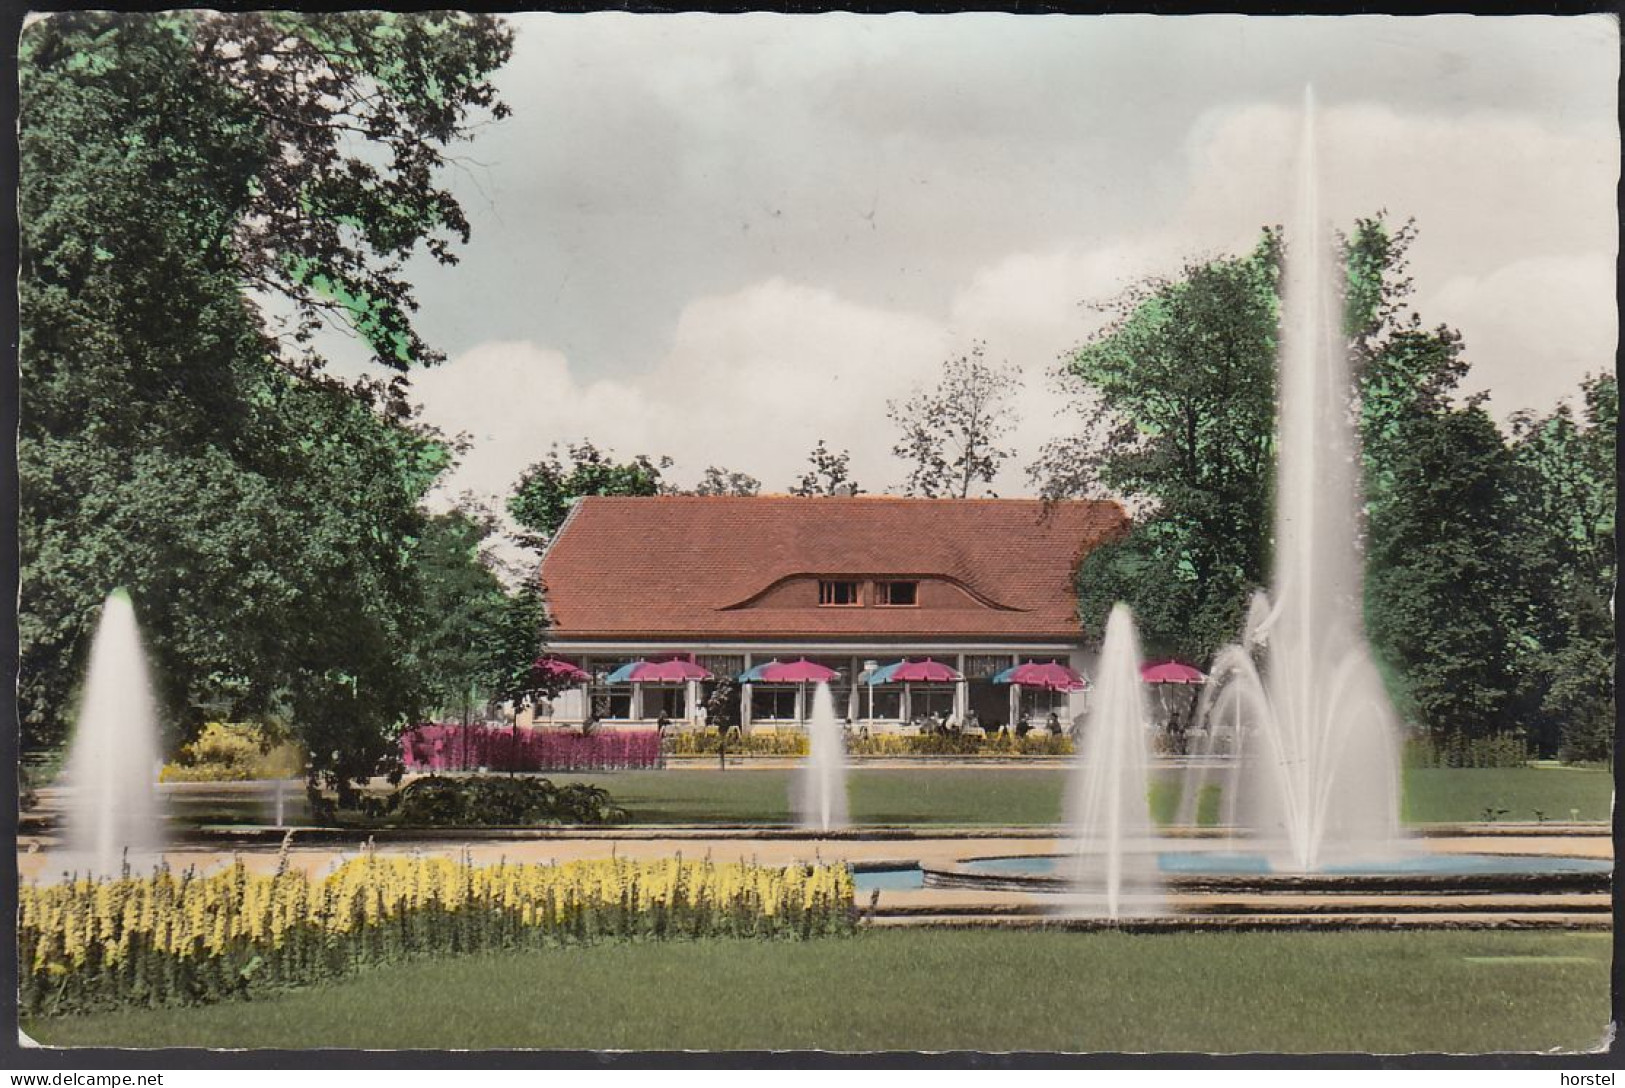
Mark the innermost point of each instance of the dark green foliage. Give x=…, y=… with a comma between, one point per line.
x=542, y=497
x=1489, y=565
x=1182, y=424
x=479, y=640
x=1565, y=491
x=1439, y=571
x=497, y=801
x=263, y=517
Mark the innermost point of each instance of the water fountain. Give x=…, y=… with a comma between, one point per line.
x=821, y=781
x=1321, y=774
x=1114, y=861
x=112, y=814
x=1296, y=722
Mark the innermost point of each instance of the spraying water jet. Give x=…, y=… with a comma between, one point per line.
x=113, y=816
x=821, y=780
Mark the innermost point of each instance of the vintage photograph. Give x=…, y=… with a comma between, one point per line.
x=759, y=532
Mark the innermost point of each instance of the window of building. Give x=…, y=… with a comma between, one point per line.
x=722, y=665
x=838, y=593
x=986, y=666
x=1037, y=705
x=899, y=594
x=882, y=702
x=611, y=702
x=931, y=701
x=669, y=700
x=772, y=704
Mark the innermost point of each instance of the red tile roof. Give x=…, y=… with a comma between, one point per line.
x=671, y=567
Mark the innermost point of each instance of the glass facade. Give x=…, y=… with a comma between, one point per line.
x=984, y=703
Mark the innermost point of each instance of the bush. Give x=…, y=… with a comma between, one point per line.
x=1037, y=743
x=701, y=742
x=491, y=801
x=236, y=752
x=1458, y=750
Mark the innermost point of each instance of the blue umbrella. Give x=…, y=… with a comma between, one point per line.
x=622, y=675
x=883, y=674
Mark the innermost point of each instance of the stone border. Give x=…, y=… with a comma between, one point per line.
x=251, y=834
x=1262, y=923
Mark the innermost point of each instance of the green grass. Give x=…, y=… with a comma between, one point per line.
x=942, y=990
x=1028, y=796
x=1013, y=796
x=1518, y=794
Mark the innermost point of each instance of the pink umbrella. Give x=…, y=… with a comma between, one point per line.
x=556, y=668
x=923, y=672
x=1171, y=672
x=793, y=672
x=668, y=671
x=1046, y=677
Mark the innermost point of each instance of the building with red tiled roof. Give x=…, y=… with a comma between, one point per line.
x=851, y=583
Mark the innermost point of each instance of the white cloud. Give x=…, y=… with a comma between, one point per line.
x=751, y=381
x=1534, y=328
x=1516, y=215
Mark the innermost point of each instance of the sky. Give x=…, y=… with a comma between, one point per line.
x=723, y=238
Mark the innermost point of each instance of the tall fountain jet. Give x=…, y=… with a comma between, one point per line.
x=1115, y=855
x=113, y=815
x=1321, y=759
x=821, y=781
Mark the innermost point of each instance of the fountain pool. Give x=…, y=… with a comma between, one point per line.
x=1221, y=863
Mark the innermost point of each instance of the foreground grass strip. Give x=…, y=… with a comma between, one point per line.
x=940, y=990
x=163, y=939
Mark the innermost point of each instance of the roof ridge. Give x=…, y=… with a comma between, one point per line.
x=832, y=499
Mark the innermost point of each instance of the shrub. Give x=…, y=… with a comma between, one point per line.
x=1459, y=750
x=491, y=801
x=878, y=744
x=707, y=742
x=90, y=945
x=236, y=752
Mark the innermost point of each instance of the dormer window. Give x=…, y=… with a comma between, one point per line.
x=838, y=594
x=898, y=594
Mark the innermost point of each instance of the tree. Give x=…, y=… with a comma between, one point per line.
x=514, y=640
x=1440, y=579
x=541, y=499
x=263, y=516
x=1178, y=399
x=830, y=474
x=463, y=606
x=720, y=481
x=951, y=434
x=1462, y=600
x=1564, y=495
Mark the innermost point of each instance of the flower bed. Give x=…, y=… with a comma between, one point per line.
x=430, y=748
x=164, y=940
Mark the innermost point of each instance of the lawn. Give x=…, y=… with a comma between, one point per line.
x=1019, y=796
x=942, y=990
x=1507, y=793
x=996, y=795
